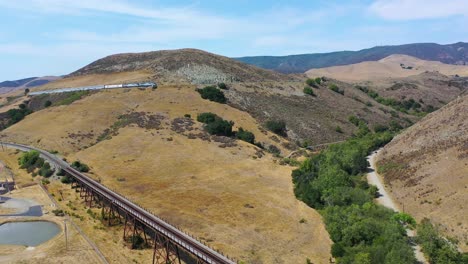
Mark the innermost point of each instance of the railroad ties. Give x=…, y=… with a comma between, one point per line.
x=141, y=228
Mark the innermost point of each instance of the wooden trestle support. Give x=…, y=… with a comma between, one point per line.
x=164, y=251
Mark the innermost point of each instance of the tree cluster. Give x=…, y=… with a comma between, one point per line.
x=334, y=182
x=213, y=94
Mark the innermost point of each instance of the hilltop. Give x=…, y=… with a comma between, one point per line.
x=456, y=53
x=393, y=66
x=191, y=65
x=426, y=168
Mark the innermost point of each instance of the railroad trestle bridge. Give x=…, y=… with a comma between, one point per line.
x=170, y=245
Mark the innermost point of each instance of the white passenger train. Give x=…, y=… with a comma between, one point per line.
x=152, y=85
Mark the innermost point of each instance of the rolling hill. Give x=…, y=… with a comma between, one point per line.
x=9, y=86
x=456, y=53
x=393, y=66
x=147, y=145
x=426, y=168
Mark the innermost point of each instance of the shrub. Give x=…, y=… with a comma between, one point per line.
x=310, y=82
x=46, y=170
x=207, y=117
x=26, y=91
x=222, y=86
x=318, y=80
x=309, y=91
x=354, y=120
x=80, y=166
x=220, y=127
x=47, y=103
x=274, y=149
x=335, y=88
x=187, y=116
x=213, y=94
x=66, y=179
x=245, y=135
x=338, y=129
x=277, y=126
x=380, y=128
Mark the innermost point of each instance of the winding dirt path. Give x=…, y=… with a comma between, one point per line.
x=386, y=200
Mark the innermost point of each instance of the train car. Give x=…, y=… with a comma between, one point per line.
x=113, y=86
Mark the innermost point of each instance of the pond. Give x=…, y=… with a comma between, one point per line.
x=27, y=233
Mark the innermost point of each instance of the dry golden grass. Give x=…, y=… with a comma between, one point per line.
x=385, y=68
x=234, y=202
x=96, y=79
x=54, y=250
x=430, y=168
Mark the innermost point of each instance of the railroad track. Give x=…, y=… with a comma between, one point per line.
x=177, y=237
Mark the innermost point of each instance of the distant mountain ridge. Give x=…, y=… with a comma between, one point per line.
x=8, y=86
x=456, y=53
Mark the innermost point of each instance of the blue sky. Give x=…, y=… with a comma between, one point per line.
x=55, y=37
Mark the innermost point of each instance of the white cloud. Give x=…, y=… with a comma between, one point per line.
x=418, y=9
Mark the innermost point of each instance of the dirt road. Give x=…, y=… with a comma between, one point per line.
x=386, y=200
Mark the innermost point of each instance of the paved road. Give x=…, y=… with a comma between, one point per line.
x=386, y=200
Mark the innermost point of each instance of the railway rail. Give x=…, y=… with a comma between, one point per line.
x=201, y=252
x=97, y=87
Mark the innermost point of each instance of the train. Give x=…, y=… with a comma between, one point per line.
x=152, y=85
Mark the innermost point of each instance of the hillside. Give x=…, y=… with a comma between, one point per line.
x=231, y=194
x=393, y=66
x=191, y=65
x=266, y=95
x=426, y=169
x=9, y=86
x=456, y=53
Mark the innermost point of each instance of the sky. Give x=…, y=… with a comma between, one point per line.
x=56, y=37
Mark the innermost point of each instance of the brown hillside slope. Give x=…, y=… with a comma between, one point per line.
x=393, y=66
x=263, y=94
x=230, y=194
x=426, y=168
x=191, y=65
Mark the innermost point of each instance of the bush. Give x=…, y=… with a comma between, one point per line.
x=310, y=82
x=207, y=117
x=80, y=166
x=213, y=94
x=220, y=127
x=309, y=91
x=354, y=120
x=245, y=135
x=46, y=170
x=222, y=86
x=187, y=116
x=335, y=88
x=26, y=91
x=47, y=103
x=277, y=126
x=338, y=129
x=318, y=80
x=66, y=179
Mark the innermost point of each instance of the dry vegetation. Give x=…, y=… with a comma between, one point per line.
x=393, y=66
x=426, y=168
x=54, y=250
x=232, y=196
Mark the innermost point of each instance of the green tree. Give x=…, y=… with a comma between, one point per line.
x=47, y=103
x=207, y=117
x=26, y=91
